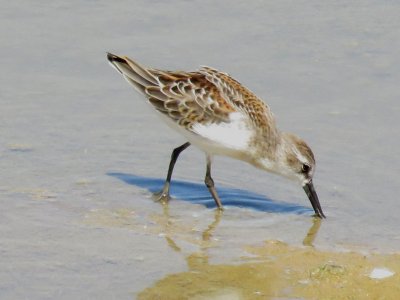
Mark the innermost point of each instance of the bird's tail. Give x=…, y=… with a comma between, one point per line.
x=134, y=73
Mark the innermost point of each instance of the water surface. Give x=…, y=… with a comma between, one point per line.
x=81, y=152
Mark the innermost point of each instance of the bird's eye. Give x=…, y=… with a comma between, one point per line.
x=305, y=168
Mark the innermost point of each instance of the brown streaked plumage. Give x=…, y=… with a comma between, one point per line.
x=221, y=117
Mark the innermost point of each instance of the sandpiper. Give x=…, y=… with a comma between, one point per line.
x=217, y=114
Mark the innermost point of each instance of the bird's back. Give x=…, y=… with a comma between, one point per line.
x=207, y=102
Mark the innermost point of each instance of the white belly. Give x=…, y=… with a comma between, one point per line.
x=228, y=139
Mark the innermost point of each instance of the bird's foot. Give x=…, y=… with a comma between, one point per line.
x=162, y=197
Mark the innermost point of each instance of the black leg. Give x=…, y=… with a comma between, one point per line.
x=210, y=184
x=163, y=195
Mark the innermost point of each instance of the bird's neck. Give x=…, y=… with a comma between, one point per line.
x=271, y=154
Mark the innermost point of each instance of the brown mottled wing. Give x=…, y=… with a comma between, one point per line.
x=188, y=98
x=205, y=97
x=242, y=99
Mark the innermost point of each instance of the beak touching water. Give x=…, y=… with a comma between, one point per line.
x=312, y=195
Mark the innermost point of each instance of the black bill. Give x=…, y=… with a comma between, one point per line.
x=312, y=195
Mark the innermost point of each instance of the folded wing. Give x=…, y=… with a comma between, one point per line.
x=205, y=97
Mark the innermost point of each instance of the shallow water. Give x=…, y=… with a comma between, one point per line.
x=80, y=152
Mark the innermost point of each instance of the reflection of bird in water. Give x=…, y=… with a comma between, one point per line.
x=312, y=232
x=168, y=232
x=209, y=281
x=220, y=116
x=206, y=235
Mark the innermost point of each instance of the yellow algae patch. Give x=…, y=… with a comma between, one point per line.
x=160, y=224
x=316, y=274
x=205, y=281
x=283, y=272
x=36, y=193
x=83, y=182
x=123, y=217
x=272, y=270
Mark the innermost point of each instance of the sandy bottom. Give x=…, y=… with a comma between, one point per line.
x=272, y=270
x=283, y=272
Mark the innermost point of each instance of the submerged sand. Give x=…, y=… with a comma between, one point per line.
x=271, y=270
x=282, y=272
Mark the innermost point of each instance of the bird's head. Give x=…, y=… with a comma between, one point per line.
x=295, y=160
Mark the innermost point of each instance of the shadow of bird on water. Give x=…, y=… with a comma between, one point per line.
x=198, y=193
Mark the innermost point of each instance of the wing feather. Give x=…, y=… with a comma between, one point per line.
x=242, y=99
x=205, y=97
